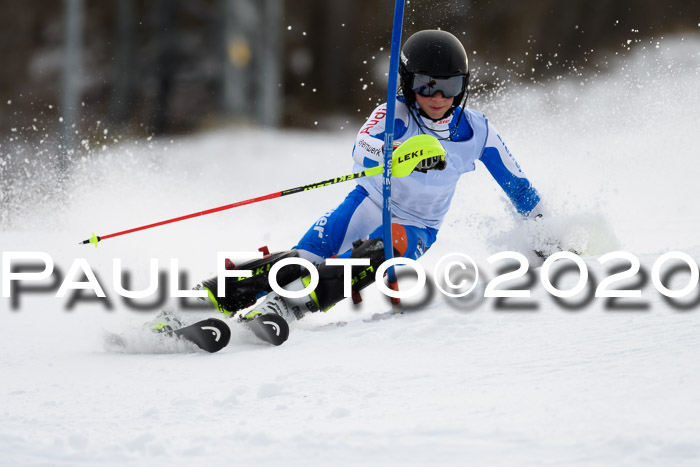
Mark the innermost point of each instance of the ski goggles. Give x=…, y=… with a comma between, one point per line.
x=426, y=85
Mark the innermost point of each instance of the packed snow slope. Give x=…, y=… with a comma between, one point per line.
x=476, y=381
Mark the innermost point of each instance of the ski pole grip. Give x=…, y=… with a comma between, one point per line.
x=414, y=150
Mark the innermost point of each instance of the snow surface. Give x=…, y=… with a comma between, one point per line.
x=452, y=382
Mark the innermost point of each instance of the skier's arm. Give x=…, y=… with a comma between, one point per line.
x=506, y=171
x=369, y=145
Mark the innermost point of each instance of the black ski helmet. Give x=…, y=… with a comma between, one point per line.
x=435, y=53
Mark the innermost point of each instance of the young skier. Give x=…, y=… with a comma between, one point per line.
x=434, y=79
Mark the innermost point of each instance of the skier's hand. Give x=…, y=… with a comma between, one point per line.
x=432, y=163
x=545, y=253
x=547, y=244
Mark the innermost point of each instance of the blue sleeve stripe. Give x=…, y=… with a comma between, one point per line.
x=520, y=191
x=464, y=130
x=369, y=163
x=399, y=130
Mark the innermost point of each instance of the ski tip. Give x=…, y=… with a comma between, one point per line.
x=210, y=335
x=270, y=328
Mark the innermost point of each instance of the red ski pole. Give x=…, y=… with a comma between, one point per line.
x=405, y=159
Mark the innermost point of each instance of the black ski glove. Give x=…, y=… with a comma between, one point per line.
x=432, y=163
x=550, y=245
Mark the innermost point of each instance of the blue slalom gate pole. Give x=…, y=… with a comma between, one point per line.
x=389, y=141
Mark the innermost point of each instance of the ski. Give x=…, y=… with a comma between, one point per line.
x=269, y=327
x=210, y=334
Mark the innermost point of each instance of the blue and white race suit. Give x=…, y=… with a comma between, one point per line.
x=419, y=201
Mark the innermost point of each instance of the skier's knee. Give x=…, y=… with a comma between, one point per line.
x=400, y=239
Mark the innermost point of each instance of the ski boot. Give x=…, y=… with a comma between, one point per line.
x=210, y=334
x=164, y=322
x=330, y=285
x=270, y=319
x=243, y=292
x=290, y=309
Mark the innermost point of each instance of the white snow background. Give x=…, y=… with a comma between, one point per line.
x=458, y=382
